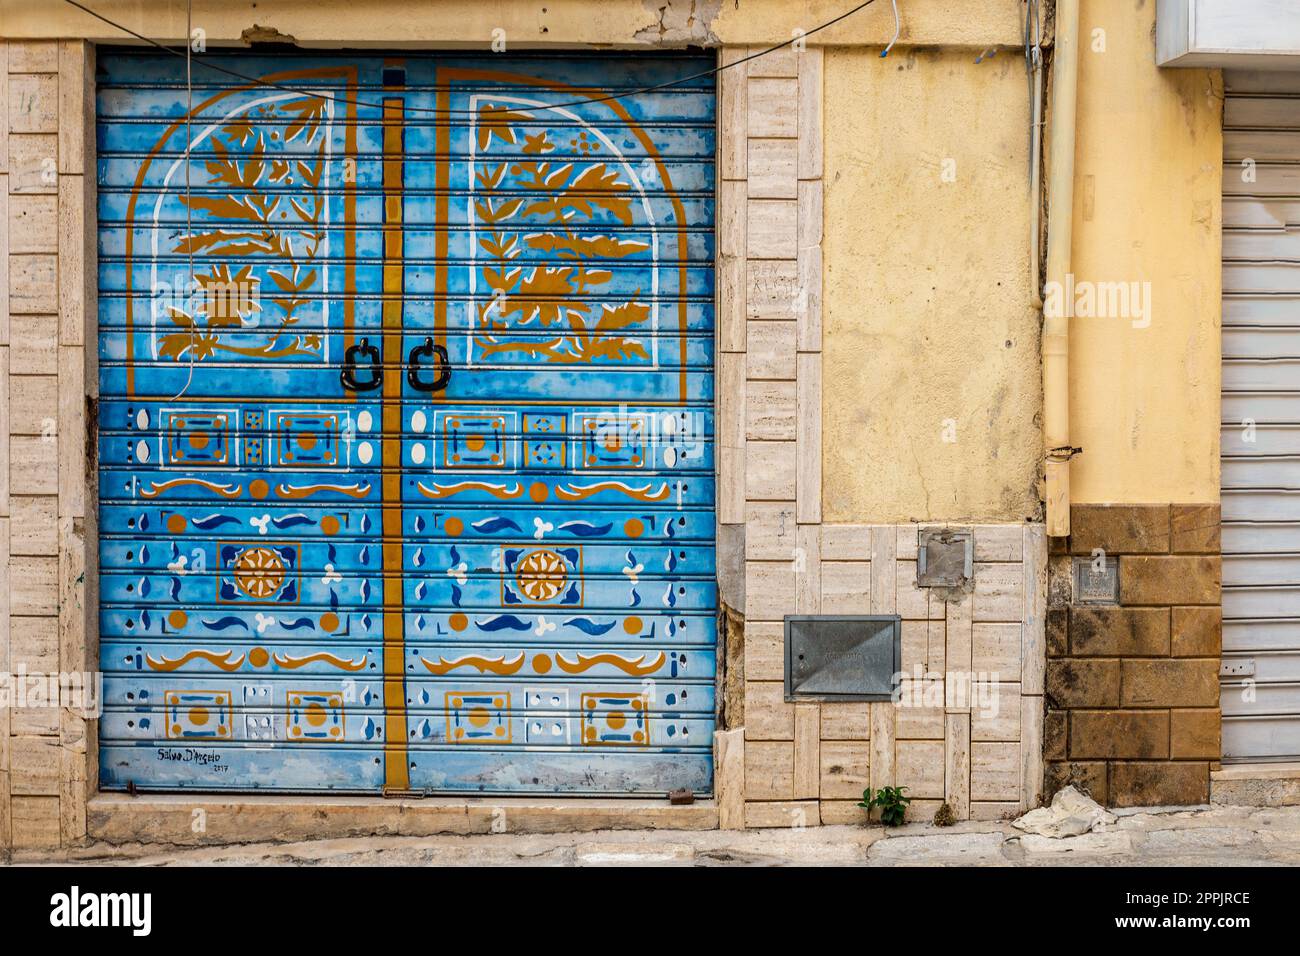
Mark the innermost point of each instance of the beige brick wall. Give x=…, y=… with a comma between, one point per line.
x=807, y=763
x=47, y=292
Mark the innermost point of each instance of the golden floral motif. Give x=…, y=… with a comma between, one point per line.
x=549, y=297
x=264, y=192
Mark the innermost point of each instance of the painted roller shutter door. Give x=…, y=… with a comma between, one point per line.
x=1261, y=417
x=416, y=492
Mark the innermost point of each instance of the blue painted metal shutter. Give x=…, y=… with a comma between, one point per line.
x=411, y=488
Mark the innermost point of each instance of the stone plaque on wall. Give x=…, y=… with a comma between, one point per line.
x=1096, y=581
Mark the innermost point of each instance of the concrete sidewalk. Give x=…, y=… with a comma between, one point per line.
x=1218, y=836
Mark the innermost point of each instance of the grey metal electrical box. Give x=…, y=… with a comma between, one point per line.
x=842, y=656
x=945, y=557
x=1096, y=581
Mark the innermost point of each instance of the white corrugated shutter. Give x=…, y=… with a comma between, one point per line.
x=1260, y=683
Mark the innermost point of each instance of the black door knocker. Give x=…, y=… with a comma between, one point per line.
x=442, y=368
x=371, y=367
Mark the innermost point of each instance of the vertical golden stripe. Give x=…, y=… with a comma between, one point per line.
x=396, y=772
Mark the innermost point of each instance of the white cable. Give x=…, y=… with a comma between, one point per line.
x=189, y=216
x=898, y=28
x=1033, y=63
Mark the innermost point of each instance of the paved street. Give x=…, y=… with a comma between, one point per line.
x=1222, y=836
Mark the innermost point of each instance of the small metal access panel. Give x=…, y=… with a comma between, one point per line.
x=844, y=657
x=1096, y=581
x=945, y=557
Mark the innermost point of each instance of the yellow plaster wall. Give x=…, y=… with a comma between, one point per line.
x=599, y=23
x=1144, y=403
x=929, y=330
